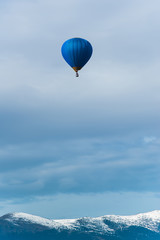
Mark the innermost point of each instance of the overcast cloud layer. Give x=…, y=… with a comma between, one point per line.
x=96, y=135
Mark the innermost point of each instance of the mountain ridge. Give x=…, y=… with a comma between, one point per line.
x=21, y=226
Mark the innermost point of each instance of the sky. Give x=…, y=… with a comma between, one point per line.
x=89, y=146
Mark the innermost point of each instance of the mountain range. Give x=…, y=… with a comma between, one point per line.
x=22, y=226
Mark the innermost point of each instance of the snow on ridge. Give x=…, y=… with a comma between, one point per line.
x=150, y=220
x=90, y=223
x=96, y=224
x=66, y=223
x=154, y=216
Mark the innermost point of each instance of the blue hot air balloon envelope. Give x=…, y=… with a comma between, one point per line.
x=76, y=52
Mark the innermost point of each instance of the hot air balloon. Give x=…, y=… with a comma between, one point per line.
x=76, y=52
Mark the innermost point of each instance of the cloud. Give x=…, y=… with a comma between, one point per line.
x=60, y=134
x=78, y=166
x=150, y=139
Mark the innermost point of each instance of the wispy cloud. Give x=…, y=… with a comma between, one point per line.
x=73, y=166
x=150, y=139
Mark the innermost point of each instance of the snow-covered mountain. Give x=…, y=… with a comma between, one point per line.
x=22, y=226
